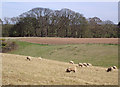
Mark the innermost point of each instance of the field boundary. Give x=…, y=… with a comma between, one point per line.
x=59, y=41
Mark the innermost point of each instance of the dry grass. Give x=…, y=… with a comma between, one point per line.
x=18, y=71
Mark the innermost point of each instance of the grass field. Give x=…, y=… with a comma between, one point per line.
x=16, y=70
x=98, y=54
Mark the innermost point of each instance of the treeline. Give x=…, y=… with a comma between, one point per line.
x=44, y=22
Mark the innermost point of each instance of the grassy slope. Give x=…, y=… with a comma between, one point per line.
x=17, y=70
x=97, y=54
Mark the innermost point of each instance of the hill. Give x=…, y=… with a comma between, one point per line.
x=18, y=71
x=104, y=55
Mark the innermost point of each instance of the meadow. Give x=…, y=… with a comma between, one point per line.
x=104, y=55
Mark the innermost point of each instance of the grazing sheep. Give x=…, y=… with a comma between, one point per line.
x=39, y=58
x=88, y=64
x=114, y=67
x=71, y=62
x=85, y=64
x=28, y=58
x=70, y=69
x=109, y=69
x=80, y=64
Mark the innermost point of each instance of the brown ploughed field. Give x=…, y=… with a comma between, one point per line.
x=46, y=40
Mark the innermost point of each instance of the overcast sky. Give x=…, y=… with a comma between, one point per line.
x=103, y=10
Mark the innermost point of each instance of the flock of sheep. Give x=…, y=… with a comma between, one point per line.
x=73, y=69
x=111, y=68
x=30, y=58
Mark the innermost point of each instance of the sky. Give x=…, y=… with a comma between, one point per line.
x=103, y=10
x=119, y=11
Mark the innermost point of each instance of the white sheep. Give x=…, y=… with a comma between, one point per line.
x=28, y=58
x=80, y=64
x=88, y=64
x=109, y=69
x=71, y=62
x=85, y=64
x=114, y=67
x=70, y=69
x=39, y=58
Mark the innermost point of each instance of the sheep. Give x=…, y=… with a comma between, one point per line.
x=70, y=69
x=71, y=62
x=85, y=64
x=39, y=58
x=80, y=64
x=88, y=64
x=28, y=58
x=114, y=67
x=109, y=69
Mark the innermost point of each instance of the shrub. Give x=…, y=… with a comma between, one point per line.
x=8, y=46
x=2, y=39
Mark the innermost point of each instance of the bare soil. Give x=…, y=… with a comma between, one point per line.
x=53, y=40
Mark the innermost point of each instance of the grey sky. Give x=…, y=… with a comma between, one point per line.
x=103, y=10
